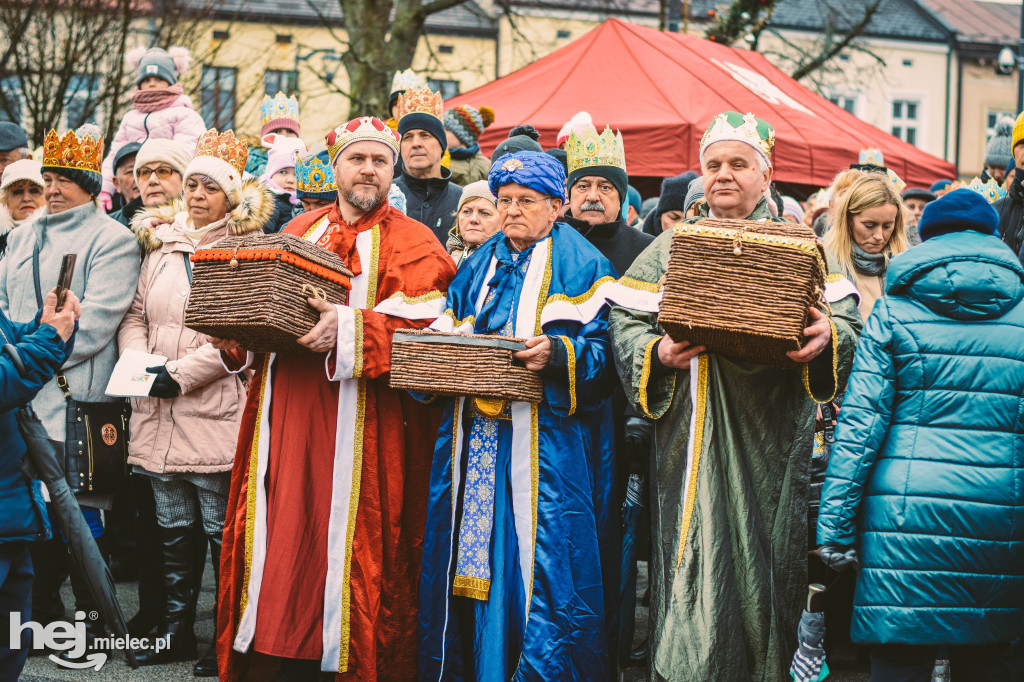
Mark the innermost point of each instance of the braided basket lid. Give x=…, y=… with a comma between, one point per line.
x=289, y=243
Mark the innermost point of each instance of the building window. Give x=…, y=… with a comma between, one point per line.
x=446, y=49
x=905, y=118
x=10, y=104
x=447, y=88
x=847, y=102
x=280, y=81
x=908, y=62
x=217, y=97
x=992, y=120
x=283, y=39
x=221, y=35
x=80, y=105
x=563, y=34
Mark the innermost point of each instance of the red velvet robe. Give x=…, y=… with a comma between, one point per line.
x=391, y=469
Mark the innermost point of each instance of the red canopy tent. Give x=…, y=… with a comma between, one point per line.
x=662, y=90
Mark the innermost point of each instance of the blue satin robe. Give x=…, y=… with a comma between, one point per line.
x=565, y=634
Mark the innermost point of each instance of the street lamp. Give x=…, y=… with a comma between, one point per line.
x=330, y=62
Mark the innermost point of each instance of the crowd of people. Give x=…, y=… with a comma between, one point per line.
x=358, y=531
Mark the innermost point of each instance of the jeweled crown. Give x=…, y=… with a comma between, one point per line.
x=280, y=106
x=404, y=80
x=749, y=129
x=224, y=146
x=989, y=189
x=312, y=175
x=590, y=149
x=71, y=151
x=362, y=128
x=421, y=100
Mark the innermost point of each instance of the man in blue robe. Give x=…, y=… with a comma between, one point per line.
x=511, y=585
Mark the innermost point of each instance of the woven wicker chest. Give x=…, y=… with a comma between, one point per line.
x=254, y=289
x=743, y=288
x=477, y=365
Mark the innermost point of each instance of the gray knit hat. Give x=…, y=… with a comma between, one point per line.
x=694, y=193
x=156, y=61
x=997, y=151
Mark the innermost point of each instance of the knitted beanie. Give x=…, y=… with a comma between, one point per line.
x=281, y=154
x=156, y=61
x=477, y=190
x=694, y=193
x=957, y=211
x=1018, y=131
x=521, y=138
x=633, y=197
x=12, y=136
x=673, y=193
x=998, y=152
x=792, y=207
x=467, y=123
x=174, y=154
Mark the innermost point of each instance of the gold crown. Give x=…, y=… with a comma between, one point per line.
x=71, y=151
x=224, y=146
x=420, y=101
x=313, y=175
x=590, y=149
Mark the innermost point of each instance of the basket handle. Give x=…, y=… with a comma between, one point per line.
x=315, y=292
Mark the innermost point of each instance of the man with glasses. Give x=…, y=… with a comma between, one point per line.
x=511, y=583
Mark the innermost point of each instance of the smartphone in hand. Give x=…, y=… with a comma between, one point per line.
x=67, y=271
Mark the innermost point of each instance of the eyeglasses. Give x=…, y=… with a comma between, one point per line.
x=163, y=172
x=524, y=203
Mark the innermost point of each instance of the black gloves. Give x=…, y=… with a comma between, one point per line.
x=637, y=434
x=163, y=386
x=838, y=558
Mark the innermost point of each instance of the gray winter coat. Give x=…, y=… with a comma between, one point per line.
x=106, y=274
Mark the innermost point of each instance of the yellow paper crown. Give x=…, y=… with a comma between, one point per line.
x=71, y=151
x=224, y=146
x=422, y=101
x=590, y=149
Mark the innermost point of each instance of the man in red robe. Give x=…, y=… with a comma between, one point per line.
x=325, y=518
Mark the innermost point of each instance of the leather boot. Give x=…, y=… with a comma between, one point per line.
x=179, y=547
x=207, y=665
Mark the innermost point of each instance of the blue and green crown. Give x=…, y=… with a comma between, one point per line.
x=314, y=178
x=280, y=106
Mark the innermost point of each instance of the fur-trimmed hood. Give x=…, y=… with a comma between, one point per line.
x=255, y=208
x=8, y=223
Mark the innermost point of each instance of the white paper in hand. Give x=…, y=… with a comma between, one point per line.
x=130, y=378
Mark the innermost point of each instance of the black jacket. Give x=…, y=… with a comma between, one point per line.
x=125, y=214
x=1011, y=218
x=433, y=201
x=618, y=242
x=283, y=213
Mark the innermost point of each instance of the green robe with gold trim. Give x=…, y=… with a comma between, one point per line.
x=728, y=490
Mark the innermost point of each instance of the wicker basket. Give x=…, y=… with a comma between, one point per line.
x=254, y=289
x=743, y=288
x=476, y=365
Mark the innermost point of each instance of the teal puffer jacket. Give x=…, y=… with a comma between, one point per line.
x=927, y=474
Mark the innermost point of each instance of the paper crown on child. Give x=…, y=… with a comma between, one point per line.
x=314, y=177
x=279, y=111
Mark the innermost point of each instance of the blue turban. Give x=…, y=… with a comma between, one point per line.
x=535, y=170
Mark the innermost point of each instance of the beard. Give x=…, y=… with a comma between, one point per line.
x=365, y=203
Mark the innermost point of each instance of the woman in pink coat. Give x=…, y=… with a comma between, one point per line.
x=160, y=108
x=183, y=435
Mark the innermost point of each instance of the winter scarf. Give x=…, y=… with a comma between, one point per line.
x=147, y=101
x=872, y=264
x=465, y=152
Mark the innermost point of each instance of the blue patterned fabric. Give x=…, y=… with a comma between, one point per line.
x=561, y=634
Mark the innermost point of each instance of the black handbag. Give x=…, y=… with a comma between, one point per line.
x=96, y=439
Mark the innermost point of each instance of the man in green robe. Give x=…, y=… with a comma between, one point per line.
x=732, y=449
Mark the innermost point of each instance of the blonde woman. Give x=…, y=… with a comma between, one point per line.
x=21, y=196
x=868, y=230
